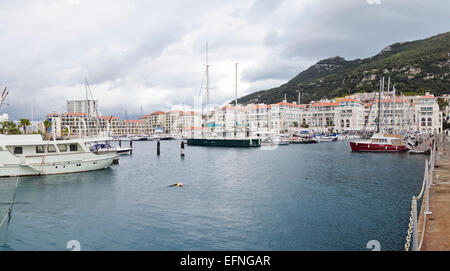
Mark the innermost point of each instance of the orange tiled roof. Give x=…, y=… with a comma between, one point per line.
x=258, y=106
x=426, y=97
x=326, y=104
x=397, y=100
x=108, y=117
x=347, y=100
x=287, y=104
x=157, y=113
x=189, y=113
x=75, y=114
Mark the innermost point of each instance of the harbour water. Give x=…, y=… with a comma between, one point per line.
x=297, y=197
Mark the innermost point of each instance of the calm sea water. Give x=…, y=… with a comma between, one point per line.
x=297, y=197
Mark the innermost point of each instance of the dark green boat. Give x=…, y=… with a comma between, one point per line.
x=224, y=142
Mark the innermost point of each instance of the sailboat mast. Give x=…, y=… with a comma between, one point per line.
x=207, y=76
x=379, y=108
x=235, y=84
x=393, y=109
x=235, y=100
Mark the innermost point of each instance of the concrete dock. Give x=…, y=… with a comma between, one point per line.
x=423, y=148
x=437, y=229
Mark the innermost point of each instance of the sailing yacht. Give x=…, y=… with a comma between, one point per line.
x=380, y=142
x=214, y=141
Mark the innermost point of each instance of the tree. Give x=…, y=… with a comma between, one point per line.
x=442, y=103
x=46, y=126
x=24, y=123
x=10, y=128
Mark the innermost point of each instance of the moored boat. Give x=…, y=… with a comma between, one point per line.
x=26, y=155
x=380, y=143
x=224, y=142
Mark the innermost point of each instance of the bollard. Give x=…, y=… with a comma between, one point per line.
x=182, y=148
x=158, y=145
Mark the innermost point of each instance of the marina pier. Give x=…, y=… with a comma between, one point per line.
x=431, y=232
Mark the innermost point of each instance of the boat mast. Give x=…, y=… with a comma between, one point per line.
x=393, y=109
x=379, y=108
x=207, y=76
x=235, y=100
x=389, y=84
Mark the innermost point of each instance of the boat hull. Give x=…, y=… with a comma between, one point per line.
x=308, y=141
x=246, y=143
x=370, y=147
x=102, y=161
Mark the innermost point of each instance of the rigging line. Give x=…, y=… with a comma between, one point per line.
x=201, y=86
x=95, y=106
x=13, y=200
x=4, y=219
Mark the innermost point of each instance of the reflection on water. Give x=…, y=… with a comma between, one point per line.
x=297, y=197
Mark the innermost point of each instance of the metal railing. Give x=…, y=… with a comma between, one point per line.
x=413, y=234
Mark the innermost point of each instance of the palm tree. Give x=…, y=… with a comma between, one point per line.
x=10, y=128
x=46, y=126
x=24, y=123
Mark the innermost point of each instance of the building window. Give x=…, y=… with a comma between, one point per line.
x=423, y=122
x=18, y=150
x=348, y=123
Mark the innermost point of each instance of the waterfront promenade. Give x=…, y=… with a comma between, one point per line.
x=437, y=230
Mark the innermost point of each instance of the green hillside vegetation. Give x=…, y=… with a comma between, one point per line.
x=415, y=67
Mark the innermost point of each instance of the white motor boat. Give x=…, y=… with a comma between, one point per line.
x=26, y=155
x=283, y=139
x=105, y=147
x=327, y=138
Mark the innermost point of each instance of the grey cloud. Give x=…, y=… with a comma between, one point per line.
x=154, y=50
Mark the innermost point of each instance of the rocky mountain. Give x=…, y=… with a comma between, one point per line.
x=414, y=67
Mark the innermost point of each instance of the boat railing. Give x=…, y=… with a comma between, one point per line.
x=413, y=227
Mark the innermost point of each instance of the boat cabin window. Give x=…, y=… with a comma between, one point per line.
x=18, y=150
x=73, y=147
x=62, y=147
x=51, y=148
x=40, y=149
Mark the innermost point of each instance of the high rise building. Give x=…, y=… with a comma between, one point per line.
x=88, y=107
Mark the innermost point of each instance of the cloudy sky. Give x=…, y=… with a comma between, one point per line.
x=151, y=54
